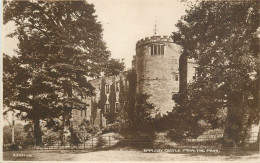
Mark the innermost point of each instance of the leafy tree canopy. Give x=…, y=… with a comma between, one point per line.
x=221, y=36
x=60, y=47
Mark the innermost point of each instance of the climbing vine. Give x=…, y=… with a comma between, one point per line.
x=103, y=97
x=122, y=93
x=94, y=107
x=127, y=95
x=131, y=78
x=111, y=116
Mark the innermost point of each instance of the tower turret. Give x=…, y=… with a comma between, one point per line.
x=157, y=69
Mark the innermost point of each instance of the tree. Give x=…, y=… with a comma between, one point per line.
x=60, y=47
x=137, y=120
x=221, y=37
x=20, y=135
x=113, y=67
x=9, y=68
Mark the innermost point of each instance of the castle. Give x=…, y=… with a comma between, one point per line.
x=157, y=70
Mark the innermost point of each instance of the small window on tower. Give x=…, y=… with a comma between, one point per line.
x=157, y=49
x=162, y=49
x=177, y=77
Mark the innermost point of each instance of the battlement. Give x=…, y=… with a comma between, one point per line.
x=153, y=39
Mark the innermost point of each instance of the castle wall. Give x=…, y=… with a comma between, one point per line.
x=79, y=115
x=99, y=118
x=158, y=75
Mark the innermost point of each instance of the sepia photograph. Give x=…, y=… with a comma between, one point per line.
x=130, y=80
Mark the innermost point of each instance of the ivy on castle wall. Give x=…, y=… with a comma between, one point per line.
x=127, y=96
x=112, y=96
x=111, y=116
x=94, y=107
x=132, y=79
x=127, y=87
x=103, y=97
x=122, y=93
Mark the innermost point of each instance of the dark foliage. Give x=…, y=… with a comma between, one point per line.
x=222, y=37
x=60, y=45
x=101, y=142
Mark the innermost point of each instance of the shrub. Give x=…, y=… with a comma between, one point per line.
x=111, y=128
x=175, y=135
x=137, y=121
x=14, y=147
x=19, y=134
x=101, y=142
x=49, y=137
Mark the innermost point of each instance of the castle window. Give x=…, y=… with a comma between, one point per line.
x=116, y=107
x=107, y=108
x=176, y=77
x=162, y=49
x=81, y=114
x=157, y=49
x=107, y=88
x=117, y=86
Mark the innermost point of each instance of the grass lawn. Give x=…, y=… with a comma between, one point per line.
x=124, y=155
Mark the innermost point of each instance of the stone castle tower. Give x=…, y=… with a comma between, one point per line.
x=157, y=67
x=156, y=64
x=160, y=72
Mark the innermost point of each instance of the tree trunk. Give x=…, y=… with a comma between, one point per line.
x=37, y=131
x=234, y=120
x=66, y=123
x=183, y=67
x=229, y=134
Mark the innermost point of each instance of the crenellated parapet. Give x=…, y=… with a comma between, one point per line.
x=153, y=39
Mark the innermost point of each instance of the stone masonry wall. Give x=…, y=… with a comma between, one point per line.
x=156, y=74
x=100, y=117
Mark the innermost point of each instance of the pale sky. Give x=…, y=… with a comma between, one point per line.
x=125, y=22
